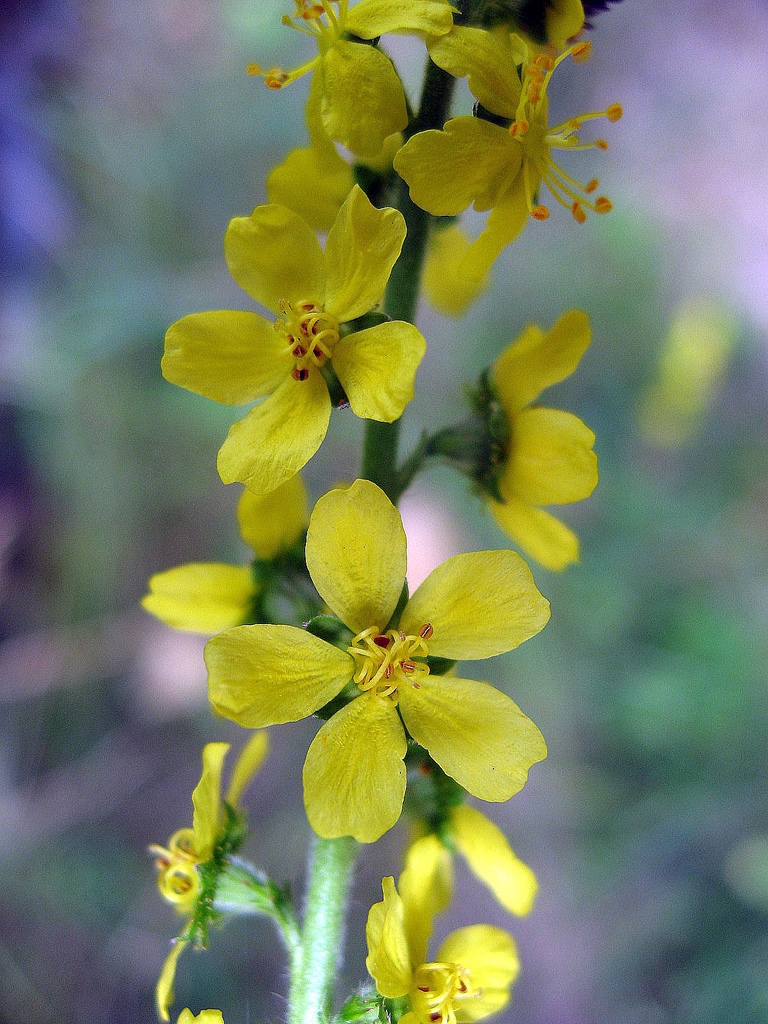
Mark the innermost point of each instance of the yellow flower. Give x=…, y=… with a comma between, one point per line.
x=204, y=1017
x=446, y=284
x=499, y=166
x=558, y=22
x=549, y=459
x=236, y=357
x=206, y=597
x=362, y=99
x=472, y=606
x=179, y=881
x=469, y=979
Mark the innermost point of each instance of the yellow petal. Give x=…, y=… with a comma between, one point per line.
x=563, y=19
x=371, y=18
x=377, y=368
x=447, y=285
x=491, y=858
x=202, y=597
x=354, y=776
x=165, y=983
x=490, y=957
x=272, y=523
x=479, y=604
x=469, y=160
x=487, y=59
x=279, y=437
x=262, y=675
x=274, y=255
x=536, y=360
x=476, y=734
x=248, y=763
x=538, y=533
x=206, y=800
x=313, y=183
x=363, y=99
x=388, y=960
x=227, y=355
x=426, y=887
x=505, y=222
x=356, y=554
x=551, y=459
x=204, y=1017
x=361, y=250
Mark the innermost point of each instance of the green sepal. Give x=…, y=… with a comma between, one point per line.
x=364, y=1007
x=439, y=666
x=330, y=629
x=430, y=794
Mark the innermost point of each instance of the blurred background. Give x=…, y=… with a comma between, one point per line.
x=129, y=135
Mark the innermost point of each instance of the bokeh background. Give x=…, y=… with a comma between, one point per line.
x=129, y=135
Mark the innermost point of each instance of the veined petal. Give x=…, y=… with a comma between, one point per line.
x=538, y=533
x=202, y=597
x=363, y=99
x=505, y=222
x=354, y=776
x=361, y=250
x=274, y=255
x=227, y=355
x=487, y=60
x=476, y=734
x=371, y=18
x=262, y=675
x=388, y=960
x=249, y=761
x=313, y=183
x=489, y=855
x=447, y=285
x=490, y=957
x=356, y=554
x=277, y=438
x=536, y=360
x=426, y=887
x=206, y=800
x=479, y=604
x=165, y=983
x=377, y=368
x=272, y=523
x=551, y=459
x=469, y=160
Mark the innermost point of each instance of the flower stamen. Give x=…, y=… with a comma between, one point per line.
x=385, y=661
x=438, y=988
x=310, y=335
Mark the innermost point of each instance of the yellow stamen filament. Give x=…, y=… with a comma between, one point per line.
x=316, y=19
x=438, y=990
x=310, y=334
x=384, y=661
x=178, y=881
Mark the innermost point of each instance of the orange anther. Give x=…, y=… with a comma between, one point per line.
x=603, y=205
x=299, y=374
x=519, y=127
x=382, y=641
x=591, y=186
x=578, y=213
x=388, y=672
x=582, y=51
x=614, y=112
x=407, y=666
x=602, y=144
x=426, y=631
x=540, y=213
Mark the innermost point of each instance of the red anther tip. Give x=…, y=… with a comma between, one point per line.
x=382, y=641
x=601, y=144
x=603, y=205
x=540, y=213
x=426, y=631
x=591, y=185
x=299, y=374
x=578, y=213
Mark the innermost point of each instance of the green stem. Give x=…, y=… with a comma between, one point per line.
x=330, y=874
x=401, y=297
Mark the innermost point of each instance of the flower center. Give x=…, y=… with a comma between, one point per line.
x=178, y=880
x=385, y=661
x=437, y=988
x=538, y=140
x=310, y=334
x=315, y=18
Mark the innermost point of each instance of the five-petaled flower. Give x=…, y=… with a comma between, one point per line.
x=362, y=98
x=236, y=356
x=468, y=980
x=472, y=606
x=498, y=163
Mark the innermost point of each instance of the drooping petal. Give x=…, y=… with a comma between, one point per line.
x=354, y=776
x=249, y=761
x=227, y=355
x=551, y=459
x=489, y=855
x=206, y=800
x=361, y=250
x=447, y=285
x=313, y=183
x=536, y=360
x=202, y=597
x=490, y=957
x=272, y=523
x=563, y=19
x=479, y=604
x=262, y=675
x=469, y=160
x=274, y=255
x=363, y=99
x=538, y=533
x=165, y=983
x=388, y=960
x=426, y=887
x=505, y=222
x=487, y=60
x=377, y=368
x=356, y=554
x=277, y=438
x=371, y=18
x=476, y=734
